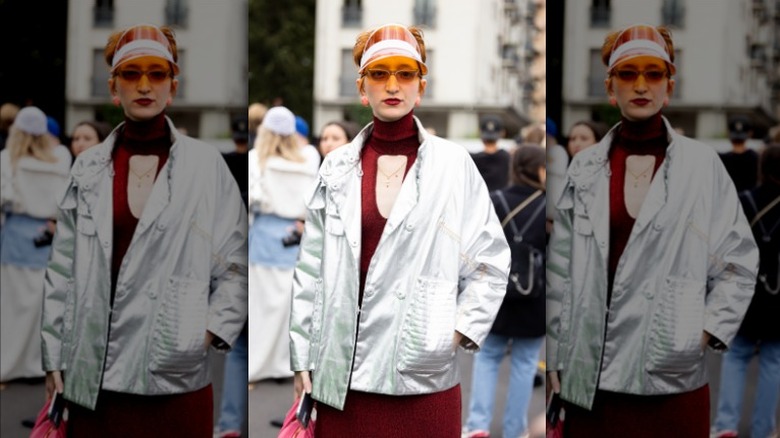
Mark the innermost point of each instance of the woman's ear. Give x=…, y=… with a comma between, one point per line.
x=669, y=91
x=423, y=85
x=610, y=91
x=174, y=87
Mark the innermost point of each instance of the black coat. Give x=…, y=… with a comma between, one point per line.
x=761, y=320
x=518, y=316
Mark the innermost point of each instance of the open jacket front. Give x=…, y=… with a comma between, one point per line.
x=184, y=273
x=441, y=265
x=689, y=265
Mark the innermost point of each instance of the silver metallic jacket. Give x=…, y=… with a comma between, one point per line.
x=184, y=273
x=441, y=265
x=689, y=266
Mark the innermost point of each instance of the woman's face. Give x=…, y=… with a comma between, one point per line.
x=640, y=86
x=580, y=138
x=395, y=95
x=84, y=137
x=144, y=87
x=332, y=137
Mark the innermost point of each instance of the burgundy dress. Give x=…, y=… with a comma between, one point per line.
x=684, y=415
x=379, y=415
x=131, y=415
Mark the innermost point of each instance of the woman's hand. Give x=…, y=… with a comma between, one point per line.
x=207, y=340
x=456, y=338
x=302, y=383
x=553, y=384
x=53, y=383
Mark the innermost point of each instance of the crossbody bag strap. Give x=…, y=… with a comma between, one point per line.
x=517, y=209
x=764, y=210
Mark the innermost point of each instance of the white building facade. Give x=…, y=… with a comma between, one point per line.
x=212, y=47
x=480, y=55
x=727, y=54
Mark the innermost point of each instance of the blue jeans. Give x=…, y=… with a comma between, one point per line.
x=524, y=357
x=235, y=385
x=732, y=386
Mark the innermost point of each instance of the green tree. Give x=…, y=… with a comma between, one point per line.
x=281, y=54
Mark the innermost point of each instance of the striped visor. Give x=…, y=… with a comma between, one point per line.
x=636, y=41
x=140, y=41
x=391, y=40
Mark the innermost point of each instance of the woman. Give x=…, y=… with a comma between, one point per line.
x=33, y=174
x=583, y=135
x=759, y=333
x=87, y=134
x=149, y=262
x=335, y=134
x=651, y=260
x=278, y=176
x=403, y=260
x=519, y=325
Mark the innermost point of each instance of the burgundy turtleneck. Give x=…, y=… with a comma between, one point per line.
x=387, y=138
x=149, y=137
x=644, y=137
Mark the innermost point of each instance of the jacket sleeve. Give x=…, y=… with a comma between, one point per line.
x=305, y=281
x=558, y=281
x=733, y=260
x=485, y=261
x=58, y=284
x=227, y=312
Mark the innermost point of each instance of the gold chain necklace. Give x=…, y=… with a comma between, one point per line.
x=636, y=177
x=143, y=175
x=389, y=177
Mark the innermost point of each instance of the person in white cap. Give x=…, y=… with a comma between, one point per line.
x=148, y=268
x=33, y=174
x=651, y=261
x=279, y=176
x=403, y=260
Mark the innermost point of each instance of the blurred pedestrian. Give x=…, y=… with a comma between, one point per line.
x=149, y=262
x=402, y=261
x=651, y=260
x=583, y=135
x=557, y=163
x=279, y=175
x=336, y=134
x=256, y=113
x=309, y=151
x=8, y=113
x=741, y=162
x=33, y=174
x=759, y=333
x=519, y=325
x=86, y=134
x=492, y=161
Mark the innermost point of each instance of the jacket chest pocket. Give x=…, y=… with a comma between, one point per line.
x=674, y=342
x=333, y=223
x=179, y=328
x=426, y=341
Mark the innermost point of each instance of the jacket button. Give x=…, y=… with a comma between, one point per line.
x=106, y=243
x=409, y=227
x=353, y=243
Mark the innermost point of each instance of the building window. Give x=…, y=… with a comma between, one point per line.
x=176, y=12
x=347, y=87
x=100, y=75
x=425, y=13
x=596, y=75
x=103, y=13
x=352, y=13
x=673, y=13
x=600, y=12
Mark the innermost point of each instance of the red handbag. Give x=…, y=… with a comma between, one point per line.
x=45, y=428
x=292, y=428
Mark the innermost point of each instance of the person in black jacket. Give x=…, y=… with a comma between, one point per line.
x=520, y=323
x=760, y=331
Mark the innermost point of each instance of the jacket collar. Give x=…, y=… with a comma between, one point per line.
x=341, y=173
x=590, y=172
x=93, y=174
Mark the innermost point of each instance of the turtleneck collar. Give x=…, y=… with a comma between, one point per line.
x=393, y=138
x=147, y=136
x=643, y=130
